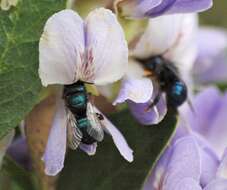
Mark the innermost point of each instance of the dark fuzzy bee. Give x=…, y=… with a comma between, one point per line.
x=168, y=79
x=83, y=123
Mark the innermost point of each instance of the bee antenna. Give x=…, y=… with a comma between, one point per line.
x=191, y=107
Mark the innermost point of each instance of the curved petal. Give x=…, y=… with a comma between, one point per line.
x=163, y=29
x=217, y=184
x=89, y=149
x=107, y=50
x=135, y=8
x=54, y=155
x=118, y=138
x=151, y=116
x=185, y=163
x=136, y=90
x=61, y=48
x=179, y=6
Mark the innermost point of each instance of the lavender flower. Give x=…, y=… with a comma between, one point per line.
x=211, y=63
x=93, y=51
x=196, y=158
x=171, y=36
x=154, y=8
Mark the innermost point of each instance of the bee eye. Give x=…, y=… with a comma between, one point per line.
x=178, y=94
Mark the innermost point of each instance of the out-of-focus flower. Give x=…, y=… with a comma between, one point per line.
x=211, y=63
x=172, y=37
x=5, y=143
x=6, y=4
x=154, y=8
x=196, y=158
x=93, y=51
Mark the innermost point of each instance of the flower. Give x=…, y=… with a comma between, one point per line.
x=196, y=157
x=6, y=4
x=92, y=51
x=210, y=65
x=171, y=36
x=154, y=8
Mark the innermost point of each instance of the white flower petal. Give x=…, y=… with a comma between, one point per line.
x=54, y=155
x=136, y=90
x=160, y=35
x=5, y=143
x=118, y=138
x=106, y=46
x=61, y=48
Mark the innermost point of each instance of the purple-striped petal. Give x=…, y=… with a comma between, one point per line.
x=54, y=155
x=154, y=8
x=187, y=184
x=222, y=169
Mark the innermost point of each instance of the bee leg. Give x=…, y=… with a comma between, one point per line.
x=100, y=116
x=155, y=101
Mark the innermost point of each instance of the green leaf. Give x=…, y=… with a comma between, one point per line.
x=15, y=177
x=20, y=30
x=107, y=170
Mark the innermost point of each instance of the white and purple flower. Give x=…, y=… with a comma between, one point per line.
x=154, y=8
x=196, y=158
x=92, y=51
x=172, y=37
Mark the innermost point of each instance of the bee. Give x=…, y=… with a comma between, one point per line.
x=83, y=123
x=168, y=79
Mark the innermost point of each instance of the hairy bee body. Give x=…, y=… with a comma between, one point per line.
x=76, y=100
x=168, y=78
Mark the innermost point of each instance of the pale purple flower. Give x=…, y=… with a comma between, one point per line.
x=154, y=8
x=171, y=36
x=94, y=51
x=196, y=158
x=211, y=63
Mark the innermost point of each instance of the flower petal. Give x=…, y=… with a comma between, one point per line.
x=135, y=8
x=185, y=163
x=5, y=143
x=217, y=184
x=188, y=184
x=89, y=149
x=106, y=46
x=117, y=137
x=61, y=48
x=151, y=116
x=210, y=65
x=222, y=169
x=154, y=180
x=136, y=90
x=179, y=6
x=54, y=155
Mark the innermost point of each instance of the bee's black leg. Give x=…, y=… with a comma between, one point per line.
x=100, y=116
x=155, y=101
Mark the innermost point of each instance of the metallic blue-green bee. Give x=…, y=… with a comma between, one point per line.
x=83, y=122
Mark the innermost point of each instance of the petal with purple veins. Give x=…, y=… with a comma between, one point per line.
x=61, y=48
x=217, y=184
x=54, y=155
x=107, y=50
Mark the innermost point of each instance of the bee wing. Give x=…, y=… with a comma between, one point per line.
x=74, y=135
x=117, y=137
x=95, y=129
